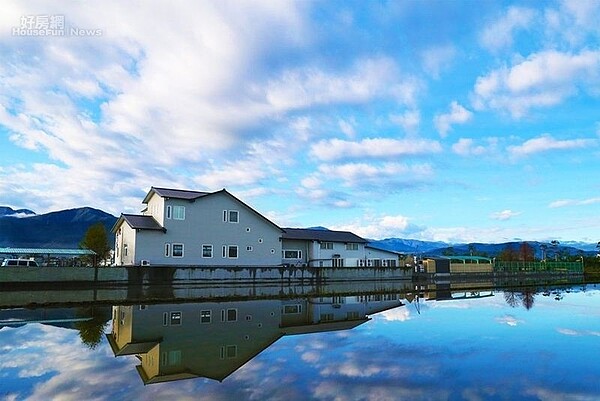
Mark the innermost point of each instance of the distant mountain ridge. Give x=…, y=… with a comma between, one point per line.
x=6, y=211
x=22, y=228
x=62, y=229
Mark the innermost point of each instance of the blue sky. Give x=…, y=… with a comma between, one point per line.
x=433, y=120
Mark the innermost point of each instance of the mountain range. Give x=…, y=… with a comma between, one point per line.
x=63, y=229
x=23, y=228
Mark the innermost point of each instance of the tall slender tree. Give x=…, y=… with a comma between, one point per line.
x=96, y=239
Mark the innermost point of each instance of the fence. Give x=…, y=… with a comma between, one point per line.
x=547, y=266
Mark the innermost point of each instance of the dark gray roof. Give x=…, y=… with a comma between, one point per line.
x=321, y=235
x=175, y=194
x=140, y=222
x=379, y=248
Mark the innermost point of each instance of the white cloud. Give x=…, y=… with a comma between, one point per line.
x=368, y=79
x=335, y=149
x=547, y=143
x=504, y=215
x=573, y=202
x=356, y=174
x=499, y=34
x=466, y=147
x=543, y=79
x=509, y=320
x=379, y=227
x=457, y=115
x=396, y=315
x=436, y=59
x=157, y=97
x=409, y=120
x=347, y=127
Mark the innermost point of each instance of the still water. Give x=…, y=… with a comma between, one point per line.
x=529, y=343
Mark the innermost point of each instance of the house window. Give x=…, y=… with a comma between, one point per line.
x=175, y=319
x=292, y=254
x=205, y=316
x=169, y=212
x=167, y=250
x=231, y=216
x=326, y=245
x=352, y=316
x=352, y=246
x=229, y=351
x=179, y=212
x=229, y=315
x=326, y=317
x=207, y=251
x=171, y=358
x=125, y=250
x=230, y=251
x=292, y=309
x=172, y=319
x=178, y=250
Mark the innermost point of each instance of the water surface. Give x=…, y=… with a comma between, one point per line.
x=524, y=344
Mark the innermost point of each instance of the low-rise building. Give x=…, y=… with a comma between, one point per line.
x=193, y=228
x=329, y=248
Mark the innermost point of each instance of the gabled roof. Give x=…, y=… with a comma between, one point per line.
x=174, y=194
x=193, y=195
x=138, y=222
x=321, y=235
x=379, y=248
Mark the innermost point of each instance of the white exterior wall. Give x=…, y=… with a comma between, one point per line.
x=125, y=238
x=315, y=256
x=295, y=245
x=380, y=255
x=156, y=209
x=257, y=241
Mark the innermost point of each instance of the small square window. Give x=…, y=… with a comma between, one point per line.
x=178, y=250
x=231, y=315
x=179, y=212
x=175, y=319
x=232, y=251
x=207, y=251
x=205, y=316
x=233, y=216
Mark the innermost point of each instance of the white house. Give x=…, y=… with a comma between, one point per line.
x=328, y=248
x=192, y=228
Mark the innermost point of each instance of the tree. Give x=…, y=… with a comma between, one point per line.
x=96, y=239
x=508, y=254
x=526, y=252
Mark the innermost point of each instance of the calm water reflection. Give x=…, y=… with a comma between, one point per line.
x=529, y=344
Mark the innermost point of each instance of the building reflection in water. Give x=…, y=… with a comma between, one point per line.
x=214, y=339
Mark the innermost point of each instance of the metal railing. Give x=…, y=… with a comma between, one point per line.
x=547, y=266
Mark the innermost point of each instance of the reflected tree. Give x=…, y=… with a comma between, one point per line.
x=511, y=298
x=528, y=298
x=92, y=328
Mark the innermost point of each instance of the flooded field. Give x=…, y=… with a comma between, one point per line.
x=431, y=342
